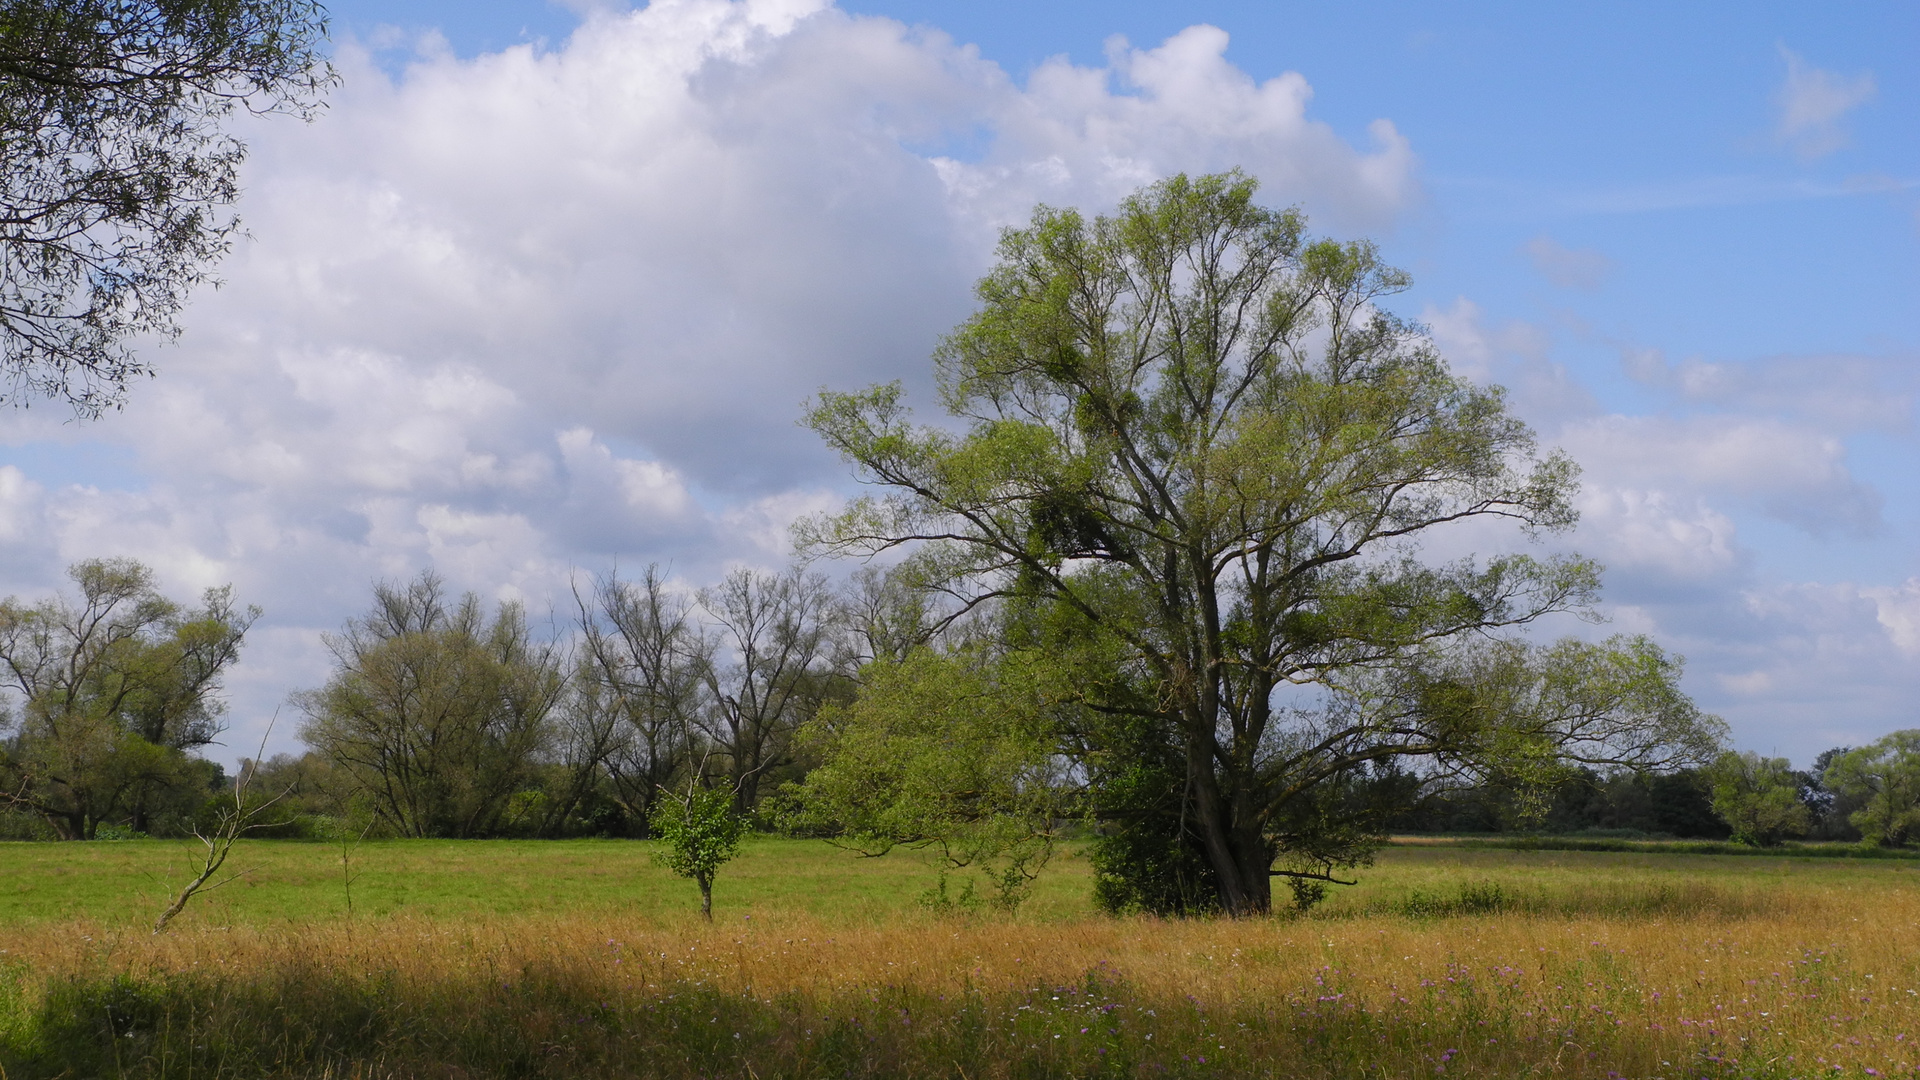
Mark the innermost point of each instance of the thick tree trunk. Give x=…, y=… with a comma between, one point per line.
x=1256, y=865
x=1242, y=893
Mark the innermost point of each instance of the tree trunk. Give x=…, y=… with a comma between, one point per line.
x=706, y=896
x=1238, y=896
x=1255, y=863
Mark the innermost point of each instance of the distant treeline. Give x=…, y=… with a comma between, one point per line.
x=445, y=719
x=1675, y=804
x=442, y=718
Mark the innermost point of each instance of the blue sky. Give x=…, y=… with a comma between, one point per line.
x=542, y=292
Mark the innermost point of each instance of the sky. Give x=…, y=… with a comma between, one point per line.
x=542, y=293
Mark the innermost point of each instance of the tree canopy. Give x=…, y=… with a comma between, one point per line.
x=112, y=690
x=118, y=170
x=436, y=712
x=1197, y=458
x=952, y=750
x=1759, y=798
x=1883, y=778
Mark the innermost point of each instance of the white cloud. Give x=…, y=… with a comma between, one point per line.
x=20, y=506
x=1071, y=140
x=1568, y=268
x=1796, y=668
x=1462, y=337
x=1812, y=103
x=1898, y=609
x=1792, y=472
x=1515, y=354
x=1654, y=532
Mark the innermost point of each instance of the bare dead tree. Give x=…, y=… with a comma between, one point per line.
x=642, y=680
x=234, y=822
x=778, y=629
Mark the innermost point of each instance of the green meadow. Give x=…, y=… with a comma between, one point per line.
x=304, y=882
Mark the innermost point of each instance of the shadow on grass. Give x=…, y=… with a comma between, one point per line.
x=310, y=1019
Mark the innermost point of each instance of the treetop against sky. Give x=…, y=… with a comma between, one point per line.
x=544, y=288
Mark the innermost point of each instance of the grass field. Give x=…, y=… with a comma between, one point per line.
x=583, y=959
x=293, y=881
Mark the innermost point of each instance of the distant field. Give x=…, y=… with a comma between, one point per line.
x=492, y=959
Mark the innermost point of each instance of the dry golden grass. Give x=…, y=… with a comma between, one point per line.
x=1621, y=975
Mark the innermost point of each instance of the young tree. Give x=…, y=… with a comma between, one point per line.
x=112, y=692
x=701, y=833
x=1194, y=433
x=434, y=712
x=118, y=171
x=1884, y=779
x=953, y=750
x=1759, y=798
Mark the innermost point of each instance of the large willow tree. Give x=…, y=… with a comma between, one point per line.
x=1192, y=437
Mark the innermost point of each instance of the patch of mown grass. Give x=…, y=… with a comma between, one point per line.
x=303, y=881
x=293, y=882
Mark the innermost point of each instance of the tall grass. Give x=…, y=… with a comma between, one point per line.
x=1479, y=977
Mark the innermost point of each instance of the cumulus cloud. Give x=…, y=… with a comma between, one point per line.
x=1813, y=102
x=1668, y=500
x=1516, y=354
x=1794, y=473
x=547, y=309
x=1796, y=668
x=1071, y=139
x=1675, y=540
x=1898, y=610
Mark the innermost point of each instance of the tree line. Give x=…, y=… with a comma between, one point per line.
x=857, y=709
x=443, y=717
x=1740, y=796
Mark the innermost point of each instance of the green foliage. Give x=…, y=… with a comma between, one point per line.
x=434, y=715
x=113, y=689
x=1884, y=778
x=699, y=833
x=1146, y=853
x=1759, y=798
x=956, y=751
x=1195, y=429
x=1623, y=803
x=118, y=172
